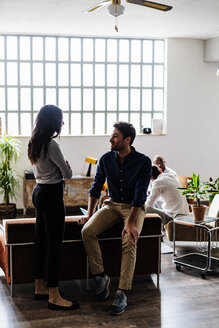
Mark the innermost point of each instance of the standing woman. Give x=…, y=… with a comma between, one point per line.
x=50, y=168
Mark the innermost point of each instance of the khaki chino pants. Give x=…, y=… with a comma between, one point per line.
x=110, y=214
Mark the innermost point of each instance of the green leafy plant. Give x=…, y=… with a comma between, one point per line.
x=212, y=188
x=10, y=149
x=195, y=190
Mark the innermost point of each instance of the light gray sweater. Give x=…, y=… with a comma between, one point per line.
x=51, y=168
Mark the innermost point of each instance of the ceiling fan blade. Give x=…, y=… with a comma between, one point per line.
x=154, y=5
x=97, y=6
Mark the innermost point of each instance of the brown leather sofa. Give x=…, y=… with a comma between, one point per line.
x=17, y=239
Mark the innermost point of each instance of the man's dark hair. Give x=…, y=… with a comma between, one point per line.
x=127, y=130
x=155, y=172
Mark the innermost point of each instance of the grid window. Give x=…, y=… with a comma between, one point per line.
x=94, y=80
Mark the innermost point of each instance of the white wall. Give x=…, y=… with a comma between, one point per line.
x=191, y=143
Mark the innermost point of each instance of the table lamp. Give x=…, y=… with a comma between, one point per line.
x=91, y=161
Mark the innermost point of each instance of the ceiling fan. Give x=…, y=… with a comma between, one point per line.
x=116, y=9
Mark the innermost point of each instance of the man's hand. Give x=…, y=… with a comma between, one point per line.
x=83, y=220
x=131, y=231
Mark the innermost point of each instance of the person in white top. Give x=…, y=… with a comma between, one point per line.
x=161, y=164
x=164, y=188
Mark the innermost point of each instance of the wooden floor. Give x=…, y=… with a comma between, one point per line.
x=184, y=300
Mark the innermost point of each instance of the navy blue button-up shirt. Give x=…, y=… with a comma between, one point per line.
x=127, y=183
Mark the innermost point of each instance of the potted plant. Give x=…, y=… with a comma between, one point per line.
x=10, y=149
x=196, y=191
x=212, y=188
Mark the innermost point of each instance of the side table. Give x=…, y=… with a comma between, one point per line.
x=201, y=259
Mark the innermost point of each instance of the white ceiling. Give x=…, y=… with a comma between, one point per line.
x=188, y=19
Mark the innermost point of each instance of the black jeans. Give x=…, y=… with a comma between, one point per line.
x=50, y=220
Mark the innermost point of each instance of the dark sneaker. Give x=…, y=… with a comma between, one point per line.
x=119, y=304
x=102, y=287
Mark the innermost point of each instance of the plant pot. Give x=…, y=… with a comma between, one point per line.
x=8, y=211
x=198, y=212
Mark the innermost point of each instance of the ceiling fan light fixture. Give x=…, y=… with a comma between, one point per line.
x=116, y=10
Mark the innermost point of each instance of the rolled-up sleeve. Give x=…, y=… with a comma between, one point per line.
x=142, y=183
x=99, y=180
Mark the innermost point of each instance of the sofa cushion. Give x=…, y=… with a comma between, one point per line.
x=23, y=230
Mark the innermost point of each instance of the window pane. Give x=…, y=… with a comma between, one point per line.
x=99, y=123
x=87, y=49
x=50, y=74
x=135, y=51
x=87, y=124
x=159, y=51
x=63, y=74
x=2, y=73
x=88, y=74
x=12, y=99
x=2, y=99
x=75, y=99
x=75, y=49
x=24, y=74
x=99, y=75
x=11, y=47
x=111, y=119
x=147, y=51
x=25, y=99
x=123, y=117
x=75, y=124
x=63, y=49
x=88, y=99
x=135, y=120
x=50, y=48
x=37, y=98
x=147, y=76
x=24, y=47
x=146, y=120
x=158, y=100
x=25, y=124
x=123, y=75
x=75, y=74
x=147, y=100
x=63, y=99
x=112, y=99
x=123, y=100
x=112, y=50
x=51, y=96
x=100, y=99
x=135, y=100
x=12, y=73
x=65, y=127
x=158, y=116
x=37, y=48
x=2, y=47
x=123, y=50
x=2, y=119
x=37, y=74
x=135, y=75
x=158, y=76
x=111, y=75
x=13, y=124
x=100, y=50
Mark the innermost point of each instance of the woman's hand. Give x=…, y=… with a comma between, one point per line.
x=67, y=163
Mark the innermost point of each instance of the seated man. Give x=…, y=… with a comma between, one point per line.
x=128, y=174
x=160, y=163
x=164, y=188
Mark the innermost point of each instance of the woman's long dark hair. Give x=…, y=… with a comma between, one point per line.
x=47, y=126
